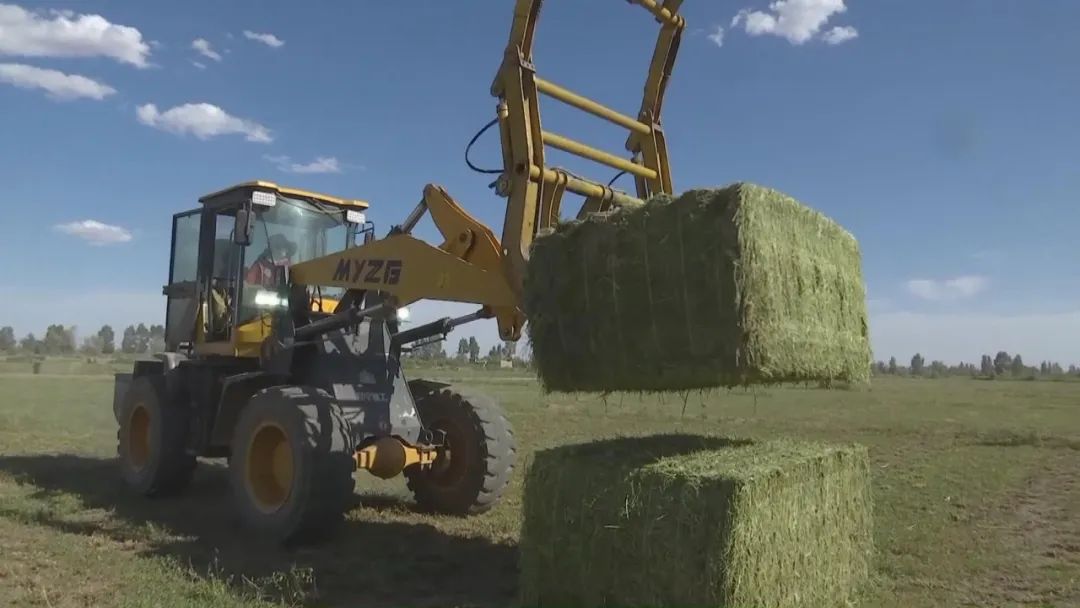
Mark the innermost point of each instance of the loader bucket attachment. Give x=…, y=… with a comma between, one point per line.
x=534, y=189
x=731, y=286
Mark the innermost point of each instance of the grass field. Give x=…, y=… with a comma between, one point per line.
x=977, y=490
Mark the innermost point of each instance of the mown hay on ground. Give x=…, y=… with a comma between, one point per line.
x=687, y=521
x=718, y=287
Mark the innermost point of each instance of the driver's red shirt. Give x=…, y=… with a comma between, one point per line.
x=262, y=272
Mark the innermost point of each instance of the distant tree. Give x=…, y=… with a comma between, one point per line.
x=431, y=351
x=157, y=339
x=1074, y=371
x=917, y=365
x=30, y=344
x=1044, y=368
x=108, y=339
x=509, y=349
x=142, y=338
x=1002, y=363
x=892, y=366
x=1017, y=366
x=91, y=345
x=474, y=350
x=438, y=352
x=463, y=349
x=129, y=343
x=1055, y=369
x=938, y=369
x=7, y=339
x=53, y=340
x=70, y=343
x=987, y=366
x=880, y=369
x=59, y=340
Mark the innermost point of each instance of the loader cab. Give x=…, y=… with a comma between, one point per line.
x=230, y=257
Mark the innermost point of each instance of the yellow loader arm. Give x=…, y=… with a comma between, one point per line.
x=472, y=265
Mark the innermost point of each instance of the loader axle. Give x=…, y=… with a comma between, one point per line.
x=386, y=457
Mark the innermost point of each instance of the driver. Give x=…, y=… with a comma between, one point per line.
x=278, y=252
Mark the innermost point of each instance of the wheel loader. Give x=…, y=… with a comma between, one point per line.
x=284, y=321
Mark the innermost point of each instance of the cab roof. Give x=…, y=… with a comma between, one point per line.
x=243, y=191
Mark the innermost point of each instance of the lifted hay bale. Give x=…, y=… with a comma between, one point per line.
x=716, y=288
x=693, y=521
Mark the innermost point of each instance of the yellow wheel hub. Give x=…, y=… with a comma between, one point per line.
x=269, y=467
x=138, y=437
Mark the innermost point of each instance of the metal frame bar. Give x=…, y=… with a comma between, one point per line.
x=583, y=187
x=575, y=147
x=535, y=190
x=596, y=109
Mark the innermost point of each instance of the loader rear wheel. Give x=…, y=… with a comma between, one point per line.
x=150, y=440
x=471, y=474
x=291, y=464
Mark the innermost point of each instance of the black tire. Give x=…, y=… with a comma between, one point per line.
x=475, y=426
x=151, y=440
x=310, y=501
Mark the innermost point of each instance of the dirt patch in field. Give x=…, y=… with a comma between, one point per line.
x=1040, y=527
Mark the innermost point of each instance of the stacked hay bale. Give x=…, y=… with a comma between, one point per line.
x=724, y=287
x=693, y=521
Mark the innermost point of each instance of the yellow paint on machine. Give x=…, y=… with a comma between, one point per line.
x=408, y=269
x=287, y=192
x=388, y=456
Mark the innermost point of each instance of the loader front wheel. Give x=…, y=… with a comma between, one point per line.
x=291, y=464
x=150, y=440
x=473, y=469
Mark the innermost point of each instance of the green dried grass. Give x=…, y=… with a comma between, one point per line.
x=721, y=287
x=688, y=521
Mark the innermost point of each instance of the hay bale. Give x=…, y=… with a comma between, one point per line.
x=692, y=521
x=723, y=287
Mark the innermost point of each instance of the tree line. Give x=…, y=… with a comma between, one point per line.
x=1001, y=365
x=61, y=340
x=468, y=351
x=142, y=339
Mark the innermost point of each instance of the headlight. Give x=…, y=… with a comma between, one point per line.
x=269, y=299
x=403, y=314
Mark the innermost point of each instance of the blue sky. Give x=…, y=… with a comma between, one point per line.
x=942, y=134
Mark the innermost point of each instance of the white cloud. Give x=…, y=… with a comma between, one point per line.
x=947, y=289
x=967, y=336
x=840, y=35
x=95, y=232
x=58, y=85
x=717, y=37
x=65, y=34
x=203, y=120
x=267, y=39
x=797, y=21
x=199, y=64
x=321, y=164
x=203, y=47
